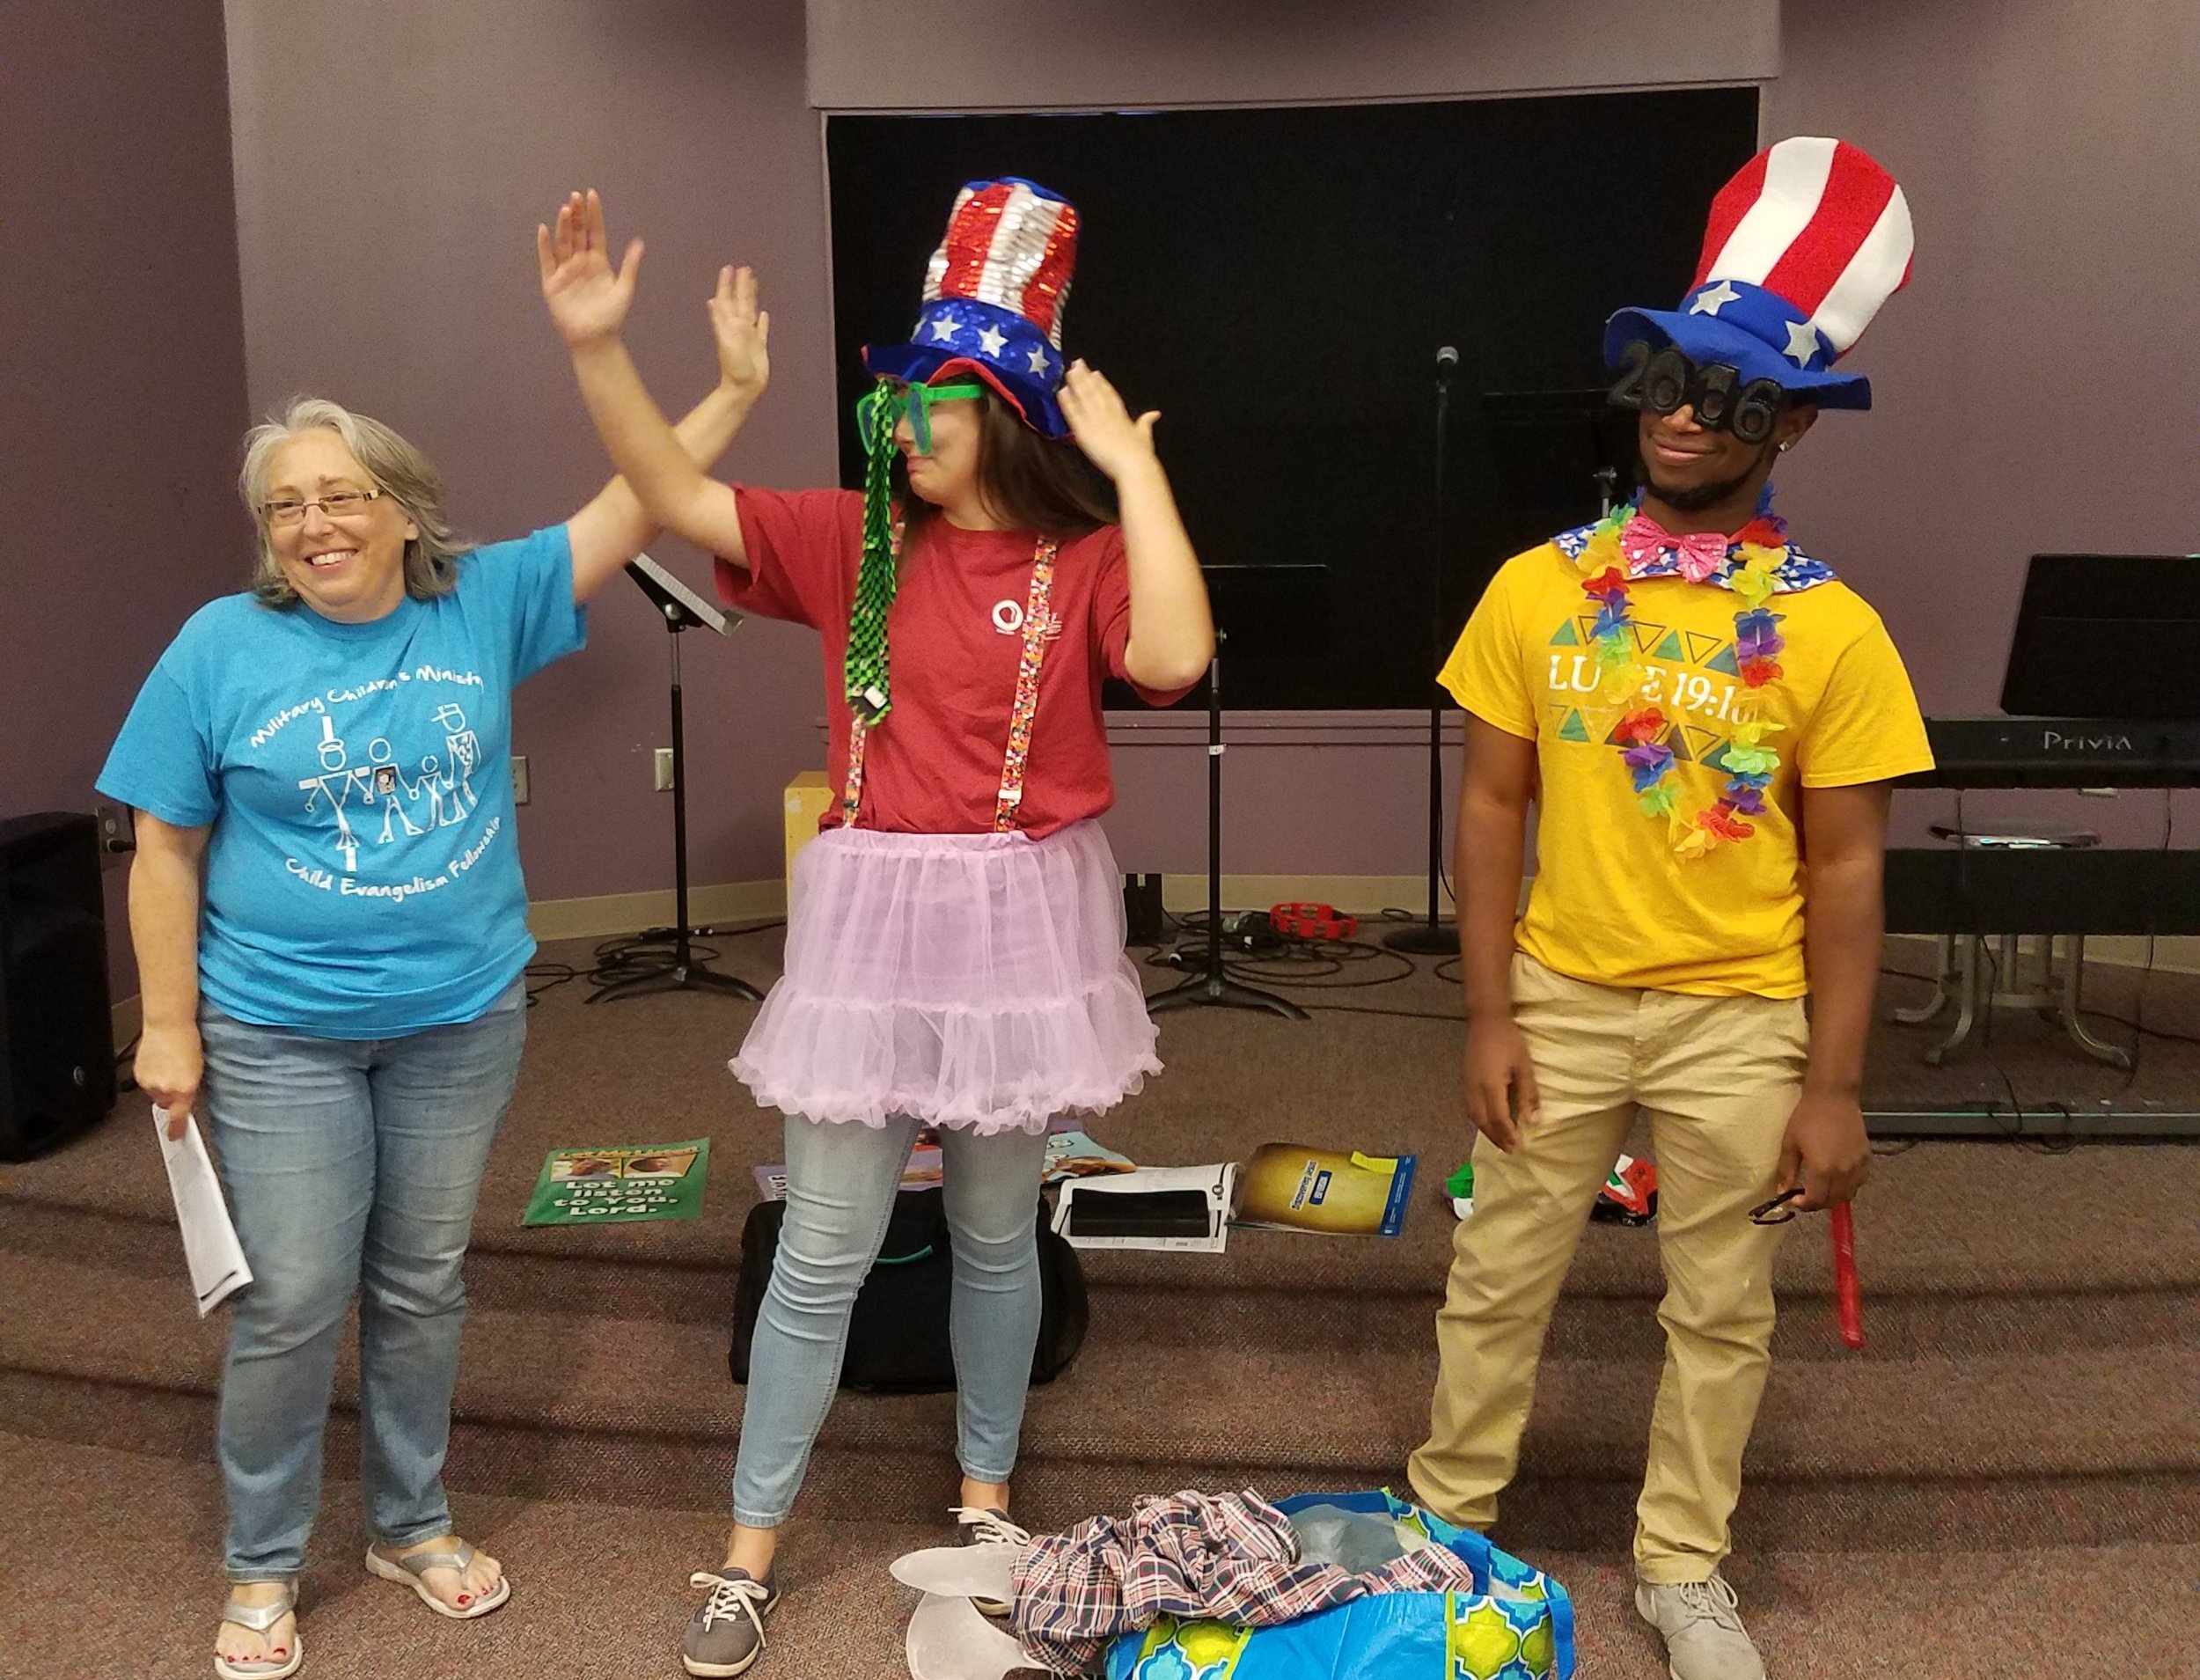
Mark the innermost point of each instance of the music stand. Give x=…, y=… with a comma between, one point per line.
x=680, y=970
x=1212, y=984
x=2095, y=633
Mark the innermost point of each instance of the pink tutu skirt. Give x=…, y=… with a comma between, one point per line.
x=973, y=981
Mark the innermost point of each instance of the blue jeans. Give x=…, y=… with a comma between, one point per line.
x=841, y=1180
x=351, y=1165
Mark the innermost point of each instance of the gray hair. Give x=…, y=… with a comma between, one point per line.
x=395, y=467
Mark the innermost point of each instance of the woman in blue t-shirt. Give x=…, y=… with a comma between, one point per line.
x=343, y=998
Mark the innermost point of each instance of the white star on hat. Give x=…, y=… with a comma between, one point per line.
x=991, y=340
x=1711, y=301
x=943, y=331
x=1802, y=342
x=1038, y=361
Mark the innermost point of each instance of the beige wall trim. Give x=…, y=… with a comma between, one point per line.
x=627, y=912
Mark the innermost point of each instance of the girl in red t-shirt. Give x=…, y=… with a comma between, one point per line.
x=955, y=941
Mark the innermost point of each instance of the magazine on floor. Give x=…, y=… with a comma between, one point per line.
x=1335, y=1193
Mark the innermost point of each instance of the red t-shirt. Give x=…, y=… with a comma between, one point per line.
x=956, y=636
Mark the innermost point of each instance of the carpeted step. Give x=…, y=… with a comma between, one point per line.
x=600, y=1587
x=915, y=1477
x=623, y=1402
x=1184, y=1300
x=1971, y=1222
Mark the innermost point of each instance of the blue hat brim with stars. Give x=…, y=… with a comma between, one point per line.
x=1749, y=329
x=1002, y=347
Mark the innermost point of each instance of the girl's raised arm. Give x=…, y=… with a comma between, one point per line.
x=589, y=302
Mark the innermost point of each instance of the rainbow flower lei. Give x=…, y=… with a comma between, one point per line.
x=1758, y=563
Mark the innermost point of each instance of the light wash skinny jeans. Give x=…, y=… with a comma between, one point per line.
x=841, y=1180
x=350, y=1165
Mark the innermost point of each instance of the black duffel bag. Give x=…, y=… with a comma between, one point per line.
x=897, y=1335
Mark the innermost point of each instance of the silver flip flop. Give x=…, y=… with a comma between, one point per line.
x=259, y=1618
x=407, y=1570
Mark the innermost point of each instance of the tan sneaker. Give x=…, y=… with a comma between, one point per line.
x=1703, y=1636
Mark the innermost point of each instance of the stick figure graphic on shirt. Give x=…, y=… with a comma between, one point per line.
x=338, y=780
x=465, y=748
x=389, y=782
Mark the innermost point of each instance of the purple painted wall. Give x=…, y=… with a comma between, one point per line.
x=124, y=390
x=391, y=265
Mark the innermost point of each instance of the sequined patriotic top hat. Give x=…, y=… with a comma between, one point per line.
x=1804, y=246
x=991, y=311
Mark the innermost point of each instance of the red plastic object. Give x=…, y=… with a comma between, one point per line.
x=1846, y=1289
x=1311, y=921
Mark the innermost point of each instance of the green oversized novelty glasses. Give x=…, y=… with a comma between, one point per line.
x=883, y=406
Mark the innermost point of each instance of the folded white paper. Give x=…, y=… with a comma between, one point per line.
x=1216, y=1183
x=210, y=1240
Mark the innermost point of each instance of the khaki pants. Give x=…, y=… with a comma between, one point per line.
x=1720, y=1077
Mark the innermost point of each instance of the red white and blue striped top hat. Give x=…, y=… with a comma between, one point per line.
x=1804, y=244
x=992, y=299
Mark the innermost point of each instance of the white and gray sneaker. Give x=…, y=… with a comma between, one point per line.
x=1703, y=1636
x=725, y=1636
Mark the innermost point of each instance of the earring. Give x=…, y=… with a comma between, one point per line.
x=1789, y=444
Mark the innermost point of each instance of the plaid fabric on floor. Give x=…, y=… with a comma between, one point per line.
x=1228, y=1557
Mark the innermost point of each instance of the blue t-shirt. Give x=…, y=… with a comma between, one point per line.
x=362, y=877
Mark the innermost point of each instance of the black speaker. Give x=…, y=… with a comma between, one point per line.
x=56, y=1032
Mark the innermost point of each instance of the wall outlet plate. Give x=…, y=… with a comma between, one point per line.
x=519, y=778
x=118, y=833
x=664, y=769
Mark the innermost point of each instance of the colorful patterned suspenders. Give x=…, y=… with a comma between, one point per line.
x=1037, y=618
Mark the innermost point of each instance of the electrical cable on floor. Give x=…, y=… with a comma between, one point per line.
x=628, y=956
x=1308, y=965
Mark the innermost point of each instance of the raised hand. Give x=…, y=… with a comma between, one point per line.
x=744, y=332
x=587, y=299
x=1103, y=426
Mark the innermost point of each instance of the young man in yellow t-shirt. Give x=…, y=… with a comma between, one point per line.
x=1694, y=706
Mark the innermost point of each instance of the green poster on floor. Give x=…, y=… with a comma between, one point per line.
x=619, y=1184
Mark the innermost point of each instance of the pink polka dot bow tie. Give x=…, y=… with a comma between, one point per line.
x=1644, y=541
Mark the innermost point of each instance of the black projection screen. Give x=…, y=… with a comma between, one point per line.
x=1277, y=283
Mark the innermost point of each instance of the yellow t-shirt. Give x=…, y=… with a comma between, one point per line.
x=1612, y=903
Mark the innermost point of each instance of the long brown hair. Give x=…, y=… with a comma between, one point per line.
x=1026, y=481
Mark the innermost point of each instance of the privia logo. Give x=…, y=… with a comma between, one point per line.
x=2055, y=741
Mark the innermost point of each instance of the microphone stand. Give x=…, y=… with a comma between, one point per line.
x=1212, y=984
x=1432, y=937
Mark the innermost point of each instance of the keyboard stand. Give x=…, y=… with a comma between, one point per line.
x=1968, y=977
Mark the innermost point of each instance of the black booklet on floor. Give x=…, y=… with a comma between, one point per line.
x=1139, y=1213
